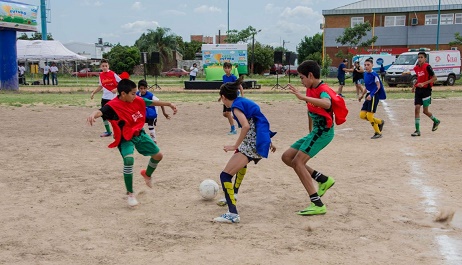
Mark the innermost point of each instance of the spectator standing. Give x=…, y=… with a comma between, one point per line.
x=54, y=74
x=21, y=71
x=46, y=74
x=193, y=72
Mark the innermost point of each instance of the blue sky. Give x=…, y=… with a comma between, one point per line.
x=123, y=21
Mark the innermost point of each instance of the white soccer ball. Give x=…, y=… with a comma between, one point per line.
x=208, y=189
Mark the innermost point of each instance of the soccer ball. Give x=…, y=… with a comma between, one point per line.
x=208, y=189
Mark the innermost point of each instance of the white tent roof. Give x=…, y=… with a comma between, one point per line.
x=45, y=50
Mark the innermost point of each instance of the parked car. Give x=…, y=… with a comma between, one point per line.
x=292, y=71
x=276, y=69
x=178, y=72
x=332, y=72
x=86, y=72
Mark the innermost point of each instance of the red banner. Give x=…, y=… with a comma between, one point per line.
x=391, y=50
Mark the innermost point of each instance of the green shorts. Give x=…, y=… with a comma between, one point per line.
x=315, y=141
x=143, y=144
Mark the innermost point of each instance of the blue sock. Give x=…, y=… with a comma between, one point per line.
x=228, y=189
x=233, y=128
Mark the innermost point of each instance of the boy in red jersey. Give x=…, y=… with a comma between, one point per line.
x=108, y=83
x=423, y=92
x=127, y=116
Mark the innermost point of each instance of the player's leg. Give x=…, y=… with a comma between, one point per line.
x=126, y=149
x=426, y=105
x=108, y=131
x=235, y=163
x=227, y=114
x=146, y=146
x=152, y=128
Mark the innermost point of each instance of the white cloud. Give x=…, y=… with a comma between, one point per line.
x=140, y=26
x=137, y=6
x=207, y=9
x=299, y=11
x=91, y=3
x=109, y=35
x=175, y=12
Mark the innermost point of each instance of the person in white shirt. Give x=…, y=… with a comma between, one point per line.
x=54, y=74
x=193, y=72
x=46, y=74
x=21, y=71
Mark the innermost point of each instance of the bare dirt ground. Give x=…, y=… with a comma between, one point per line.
x=63, y=198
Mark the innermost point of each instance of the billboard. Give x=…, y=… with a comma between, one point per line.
x=214, y=55
x=18, y=16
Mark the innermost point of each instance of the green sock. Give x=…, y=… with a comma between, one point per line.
x=417, y=124
x=434, y=119
x=152, y=165
x=106, y=125
x=128, y=177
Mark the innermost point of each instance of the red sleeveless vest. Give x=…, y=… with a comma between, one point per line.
x=132, y=113
x=338, y=106
x=108, y=80
x=422, y=74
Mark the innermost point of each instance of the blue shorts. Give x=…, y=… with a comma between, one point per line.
x=341, y=81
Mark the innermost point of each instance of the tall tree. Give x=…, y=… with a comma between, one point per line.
x=159, y=40
x=458, y=39
x=123, y=58
x=310, y=48
x=354, y=37
x=191, y=48
x=245, y=35
x=263, y=57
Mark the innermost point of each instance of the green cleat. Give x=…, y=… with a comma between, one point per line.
x=323, y=187
x=313, y=210
x=416, y=133
x=435, y=125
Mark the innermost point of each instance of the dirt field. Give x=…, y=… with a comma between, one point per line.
x=64, y=203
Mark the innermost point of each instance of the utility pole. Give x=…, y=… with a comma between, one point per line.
x=253, y=50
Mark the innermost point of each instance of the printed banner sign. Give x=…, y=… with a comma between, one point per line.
x=18, y=16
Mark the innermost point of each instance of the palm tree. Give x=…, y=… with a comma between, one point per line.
x=158, y=40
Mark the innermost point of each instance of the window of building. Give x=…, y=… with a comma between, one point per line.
x=458, y=18
x=356, y=20
x=394, y=21
x=431, y=19
x=447, y=19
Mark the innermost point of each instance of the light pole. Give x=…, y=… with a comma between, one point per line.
x=228, y=20
x=253, y=50
x=438, y=27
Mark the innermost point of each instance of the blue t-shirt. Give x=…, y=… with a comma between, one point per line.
x=231, y=78
x=151, y=112
x=341, y=73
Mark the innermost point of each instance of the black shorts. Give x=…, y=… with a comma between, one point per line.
x=421, y=94
x=226, y=109
x=341, y=81
x=151, y=122
x=104, y=102
x=371, y=105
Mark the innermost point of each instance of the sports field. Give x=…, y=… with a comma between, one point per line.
x=63, y=198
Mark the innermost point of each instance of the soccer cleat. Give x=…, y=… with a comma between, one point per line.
x=376, y=136
x=223, y=202
x=381, y=125
x=313, y=210
x=132, y=202
x=147, y=179
x=232, y=132
x=416, y=133
x=229, y=218
x=341, y=95
x=106, y=134
x=435, y=125
x=323, y=187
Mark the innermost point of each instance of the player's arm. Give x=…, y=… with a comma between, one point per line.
x=244, y=129
x=324, y=103
x=241, y=89
x=159, y=103
x=92, y=118
x=98, y=89
x=431, y=73
x=165, y=113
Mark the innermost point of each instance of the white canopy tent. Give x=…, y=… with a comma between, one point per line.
x=45, y=50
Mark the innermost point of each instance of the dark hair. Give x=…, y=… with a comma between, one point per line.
x=422, y=53
x=104, y=61
x=370, y=59
x=229, y=90
x=125, y=85
x=309, y=66
x=345, y=60
x=142, y=82
x=227, y=65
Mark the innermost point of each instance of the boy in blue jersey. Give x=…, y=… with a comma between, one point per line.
x=252, y=144
x=229, y=77
x=151, y=111
x=374, y=92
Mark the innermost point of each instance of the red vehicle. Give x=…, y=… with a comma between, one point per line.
x=178, y=72
x=293, y=70
x=86, y=72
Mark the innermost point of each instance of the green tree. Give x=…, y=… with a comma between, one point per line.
x=159, y=40
x=263, y=57
x=34, y=36
x=354, y=37
x=458, y=40
x=325, y=65
x=123, y=58
x=244, y=35
x=310, y=48
x=191, y=48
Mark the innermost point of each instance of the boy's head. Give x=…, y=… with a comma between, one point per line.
x=142, y=86
x=127, y=90
x=309, y=66
x=104, y=65
x=422, y=57
x=368, y=63
x=227, y=66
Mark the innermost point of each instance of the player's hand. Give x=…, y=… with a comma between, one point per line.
x=272, y=148
x=173, y=107
x=92, y=95
x=91, y=119
x=360, y=98
x=368, y=97
x=420, y=85
x=227, y=148
x=167, y=116
x=295, y=91
x=413, y=89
